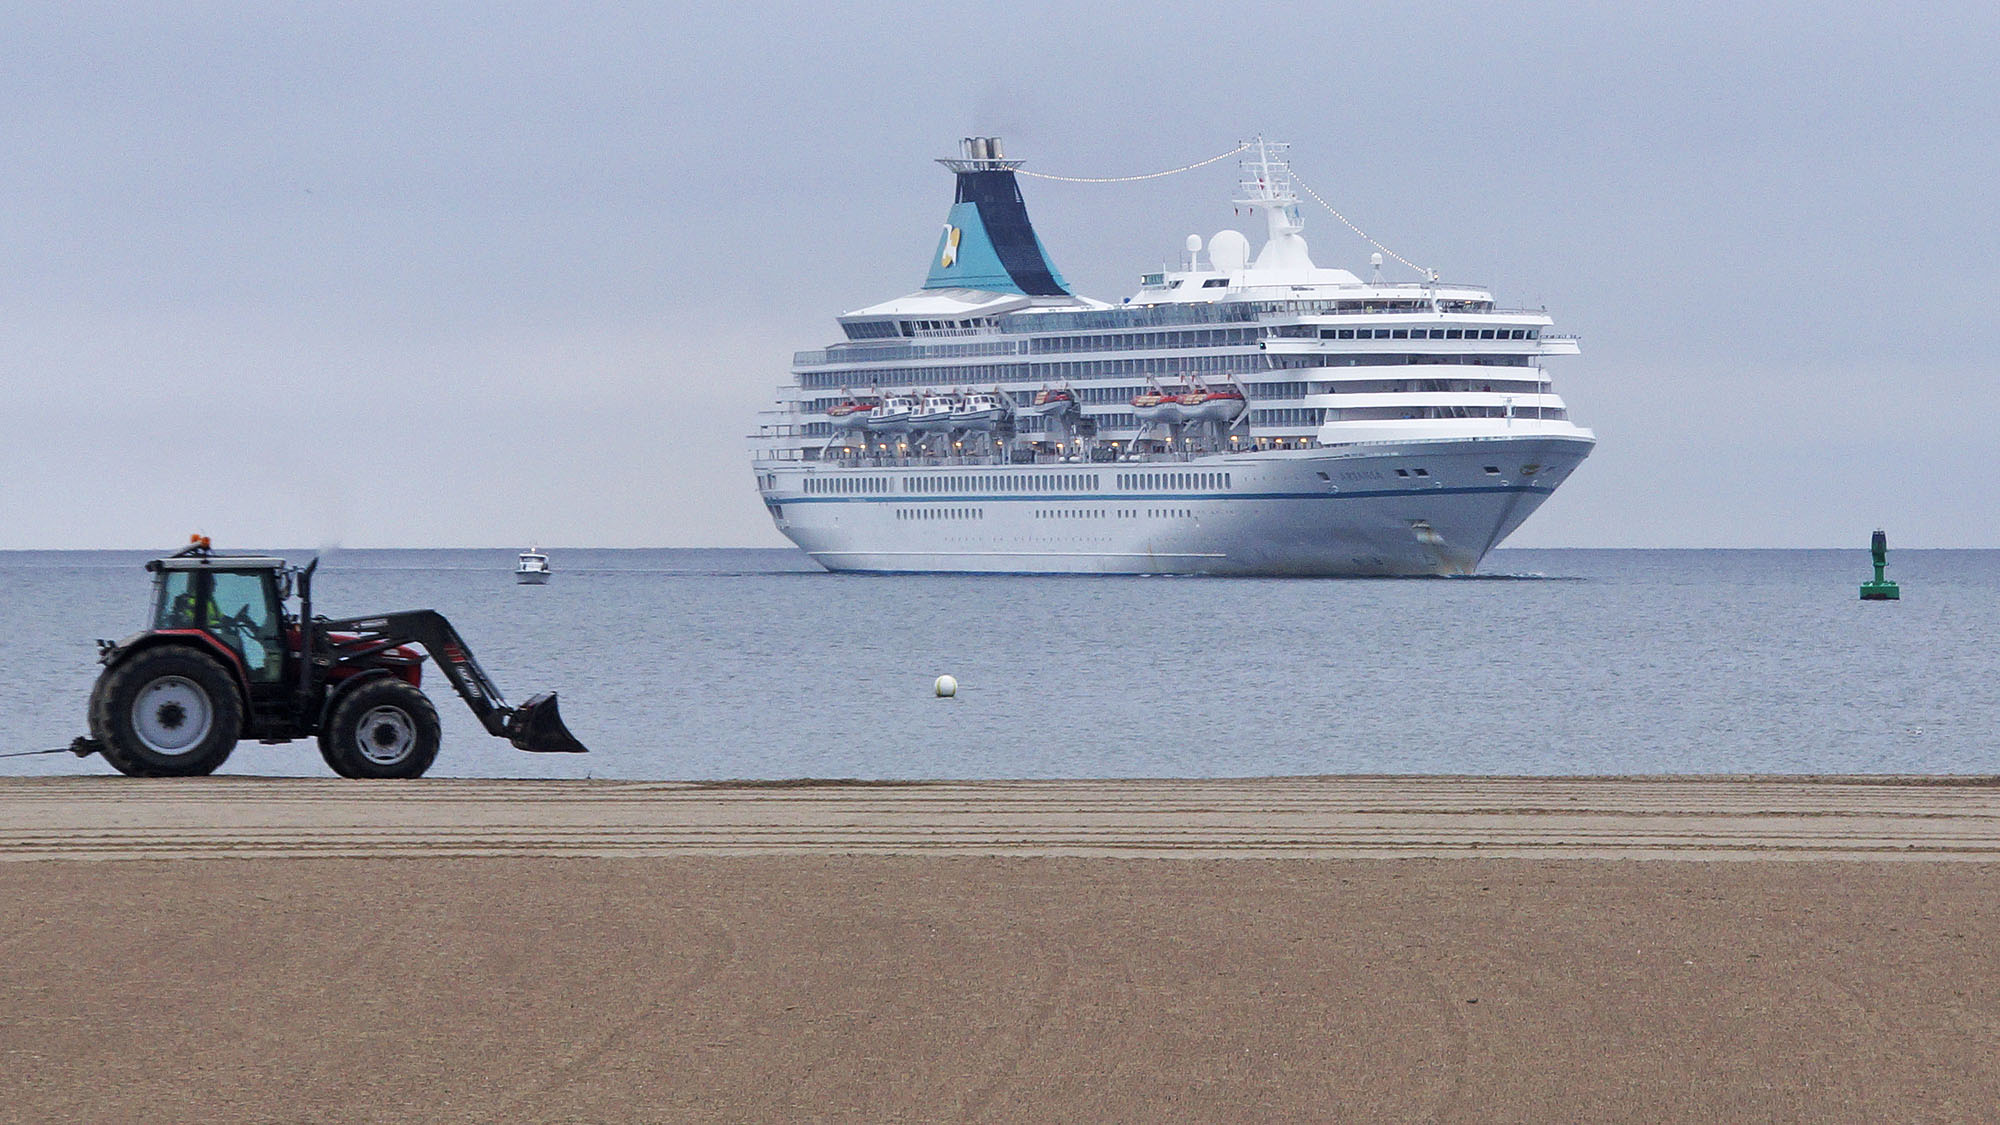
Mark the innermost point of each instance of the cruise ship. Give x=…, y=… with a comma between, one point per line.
x=1238, y=415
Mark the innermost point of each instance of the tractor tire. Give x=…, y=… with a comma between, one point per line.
x=383, y=729
x=171, y=711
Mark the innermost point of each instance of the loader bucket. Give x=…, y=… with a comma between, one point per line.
x=536, y=725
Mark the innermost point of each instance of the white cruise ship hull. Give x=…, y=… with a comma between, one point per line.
x=1432, y=507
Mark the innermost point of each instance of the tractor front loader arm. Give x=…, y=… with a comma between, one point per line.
x=535, y=725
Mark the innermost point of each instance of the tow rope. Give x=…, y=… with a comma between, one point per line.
x=70, y=749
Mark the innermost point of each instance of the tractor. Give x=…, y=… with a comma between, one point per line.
x=224, y=661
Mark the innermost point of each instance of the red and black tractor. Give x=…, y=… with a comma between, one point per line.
x=224, y=661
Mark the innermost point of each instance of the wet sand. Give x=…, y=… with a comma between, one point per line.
x=1434, y=949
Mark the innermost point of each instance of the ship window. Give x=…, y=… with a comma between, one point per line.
x=1324, y=477
x=1347, y=333
x=1492, y=470
x=1453, y=334
x=1402, y=472
x=1400, y=334
x=1215, y=283
x=1423, y=472
x=1486, y=333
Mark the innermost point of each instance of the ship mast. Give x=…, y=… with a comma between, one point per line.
x=1267, y=186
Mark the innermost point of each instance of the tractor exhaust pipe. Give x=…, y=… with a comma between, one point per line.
x=537, y=726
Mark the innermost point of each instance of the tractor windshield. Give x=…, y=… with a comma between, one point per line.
x=239, y=608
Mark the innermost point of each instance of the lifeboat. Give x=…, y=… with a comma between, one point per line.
x=852, y=414
x=1225, y=405
x=1157, y=406
x=1052, y=400
x=934, y=416
x=979, y=411
x=893, y=416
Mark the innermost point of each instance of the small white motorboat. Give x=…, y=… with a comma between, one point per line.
x=934, y=416
x=533, y=569
x=893, y=416
x=979, y=411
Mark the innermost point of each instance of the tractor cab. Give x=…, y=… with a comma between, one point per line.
x=237, y=600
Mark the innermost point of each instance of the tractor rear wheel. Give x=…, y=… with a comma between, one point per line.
x=170, y=711
x=384, y=728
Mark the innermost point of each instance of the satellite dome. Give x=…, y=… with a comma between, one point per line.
x=1229, y=251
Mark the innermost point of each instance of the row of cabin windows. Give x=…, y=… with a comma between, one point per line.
x=1146, y=341
x=1304, y=417
x=1174, y=480
x=1071, y=513
x=1289, y=416
x=1431, y=386
x=1165, y=368
x=1430, y=333
x=1378, y=413
x=1096, y=396
x=1113, y=319
x=908, y=351
x=978, y=374
x=842, y=486
x=888, y=329
x=1002, y=482
x=1377, y=359
x=940, y=513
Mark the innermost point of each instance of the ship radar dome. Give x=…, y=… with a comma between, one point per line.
x=1229, y=251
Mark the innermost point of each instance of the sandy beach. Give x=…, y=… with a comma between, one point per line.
x=1386, y=949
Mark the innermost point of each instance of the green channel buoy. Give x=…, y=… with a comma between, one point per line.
x=1880, y=590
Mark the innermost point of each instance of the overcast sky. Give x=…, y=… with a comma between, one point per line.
x=305, y=275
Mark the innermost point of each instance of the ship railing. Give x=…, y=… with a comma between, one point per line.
x=875, y=460
x=824, y=357
x=1312, y=315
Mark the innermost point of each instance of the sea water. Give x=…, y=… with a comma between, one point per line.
x=756, y=664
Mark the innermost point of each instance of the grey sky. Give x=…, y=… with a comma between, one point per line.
x=351, y=274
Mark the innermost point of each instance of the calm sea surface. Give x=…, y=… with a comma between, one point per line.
x=755, y=664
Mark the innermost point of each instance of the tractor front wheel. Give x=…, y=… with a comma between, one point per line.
x=383, y=728
x=166, y=712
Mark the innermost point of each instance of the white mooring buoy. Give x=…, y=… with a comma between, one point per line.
x=946, y=687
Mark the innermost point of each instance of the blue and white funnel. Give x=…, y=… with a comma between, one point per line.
x=988, y=242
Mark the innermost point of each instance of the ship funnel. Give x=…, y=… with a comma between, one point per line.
x=988, y=242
